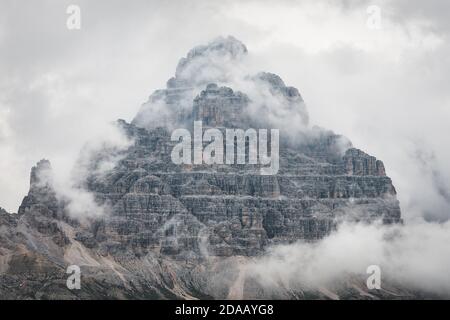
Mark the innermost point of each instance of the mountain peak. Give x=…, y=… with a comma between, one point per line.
x=228, y=48
x=222, y=62
x=210, y=62
x=198, y=220
x=41, y=173
x=221, y=45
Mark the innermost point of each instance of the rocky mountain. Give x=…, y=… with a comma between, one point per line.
x=184, y=231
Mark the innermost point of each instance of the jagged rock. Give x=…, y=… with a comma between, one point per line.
x=41, y=196
x=359, y=163
x=219, y=107
x=192, y=68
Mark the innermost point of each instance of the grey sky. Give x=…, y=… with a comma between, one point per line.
x=386, y=90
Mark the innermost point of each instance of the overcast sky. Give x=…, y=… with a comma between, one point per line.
x=386, y=90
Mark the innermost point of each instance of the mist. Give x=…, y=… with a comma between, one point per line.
x=414, y=256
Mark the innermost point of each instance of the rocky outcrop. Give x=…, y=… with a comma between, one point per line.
x=41, y=196
x=359, y=163
x=170, y=226
x=219, y=107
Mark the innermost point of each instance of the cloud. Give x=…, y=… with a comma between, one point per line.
x=96, y=159
x=414, y=256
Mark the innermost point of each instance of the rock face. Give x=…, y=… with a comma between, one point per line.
x=168, y=226
x=238, y=210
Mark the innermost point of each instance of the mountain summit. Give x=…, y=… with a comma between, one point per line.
x=185, y=231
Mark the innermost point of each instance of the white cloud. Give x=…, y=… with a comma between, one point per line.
x=415, y=256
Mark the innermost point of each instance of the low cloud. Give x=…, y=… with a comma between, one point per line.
x=413, y=256
x=98, y=157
